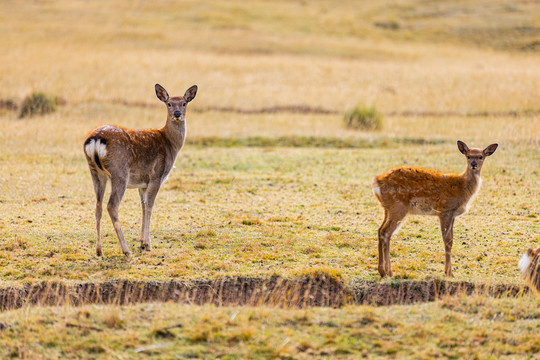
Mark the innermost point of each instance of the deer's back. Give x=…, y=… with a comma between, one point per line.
x=142, y=155
x=419, y=190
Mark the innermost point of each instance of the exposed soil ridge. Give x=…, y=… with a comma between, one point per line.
x=307, y=109
x=299, y=292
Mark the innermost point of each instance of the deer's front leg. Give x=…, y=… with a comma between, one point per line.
x=142, y=196
x=150, y=197
x=447, y=230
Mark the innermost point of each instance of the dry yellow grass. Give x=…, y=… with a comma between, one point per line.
x=91, y=52
x=439, y=71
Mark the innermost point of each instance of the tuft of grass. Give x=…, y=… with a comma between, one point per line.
x=363, y=118
x=7, y=105
x=38, y=104
x=206, y=233
x=112, y=319
x=251, y=222
x=322, y=272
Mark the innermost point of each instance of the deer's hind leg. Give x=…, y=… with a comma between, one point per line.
x=118, y=188
x=382, y=268
x=100, y=183
x=391, y=223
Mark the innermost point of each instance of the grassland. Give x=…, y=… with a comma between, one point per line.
x=463, y=327
x=270, y=182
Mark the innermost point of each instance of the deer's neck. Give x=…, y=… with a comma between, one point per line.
x=175, y=132
x=473, y=181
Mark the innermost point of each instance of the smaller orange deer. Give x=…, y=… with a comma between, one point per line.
x=136, y=159
x=414, y=190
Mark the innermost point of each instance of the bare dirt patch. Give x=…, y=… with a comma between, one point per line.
x=313, y=110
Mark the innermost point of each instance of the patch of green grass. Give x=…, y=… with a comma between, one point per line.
x=310, y=141
x=363, y=118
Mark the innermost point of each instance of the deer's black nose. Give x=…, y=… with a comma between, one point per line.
x=177, y=113
x=474, y=164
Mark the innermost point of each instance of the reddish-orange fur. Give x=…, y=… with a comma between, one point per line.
x=414, y=190
x=424, y=191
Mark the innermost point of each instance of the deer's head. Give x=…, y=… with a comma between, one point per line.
x=176, y=105
x=475, y=156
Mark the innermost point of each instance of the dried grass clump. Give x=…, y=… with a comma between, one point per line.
x=38, y=104
x=364, y=118
x=7, y=105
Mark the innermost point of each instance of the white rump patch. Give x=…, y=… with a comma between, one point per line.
x=95, y=147
x=101, y=149
x=524, y=263
x=90, y=148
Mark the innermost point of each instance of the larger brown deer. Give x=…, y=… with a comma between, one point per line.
x=413, y=190
x=136, y=159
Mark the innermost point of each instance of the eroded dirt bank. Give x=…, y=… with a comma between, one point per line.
x=299, y=292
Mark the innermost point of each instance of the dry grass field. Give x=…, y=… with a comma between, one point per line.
x=467, y=327
x=270, y=183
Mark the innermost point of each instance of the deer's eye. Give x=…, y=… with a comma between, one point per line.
x=480, y=158
x=169, y=105
x=184, y=104
x=468, y=157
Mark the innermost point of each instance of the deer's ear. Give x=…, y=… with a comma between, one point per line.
x=463, y=148
x=190, y=93
x=161, y=93
x=490, y=149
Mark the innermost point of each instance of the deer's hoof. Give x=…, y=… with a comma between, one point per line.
x=128, y=254
x=99, y=252
x=146, y=247
x=383, y=272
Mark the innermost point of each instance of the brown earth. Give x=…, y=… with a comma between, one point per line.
x=300, y=292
